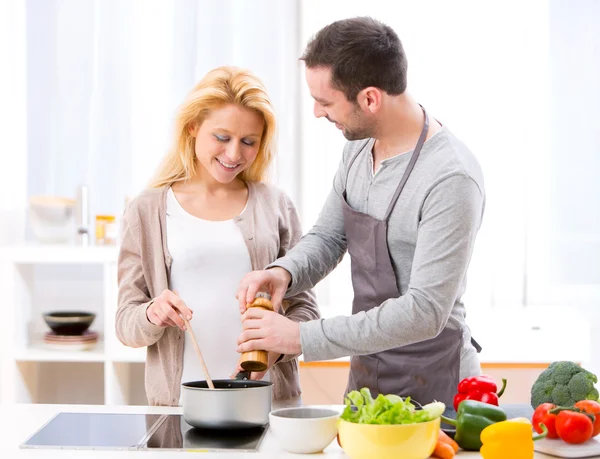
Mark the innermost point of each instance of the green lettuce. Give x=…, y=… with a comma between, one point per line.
x=361, y=408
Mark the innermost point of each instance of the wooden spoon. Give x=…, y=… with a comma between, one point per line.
x=202, y=363
x=189, y=329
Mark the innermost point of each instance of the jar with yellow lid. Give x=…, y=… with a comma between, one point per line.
x=106, y=230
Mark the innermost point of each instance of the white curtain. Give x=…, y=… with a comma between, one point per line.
x=13, y=120
x=564, y=224
x=106, y=76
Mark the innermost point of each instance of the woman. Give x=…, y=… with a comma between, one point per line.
x=206, y=220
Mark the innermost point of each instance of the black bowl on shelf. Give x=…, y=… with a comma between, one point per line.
x=69, y=322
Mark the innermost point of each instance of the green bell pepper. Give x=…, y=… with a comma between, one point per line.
x=471, y=418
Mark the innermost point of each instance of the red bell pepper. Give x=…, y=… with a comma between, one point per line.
x=481, y=388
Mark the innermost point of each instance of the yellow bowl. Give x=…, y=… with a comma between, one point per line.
x=398, y=441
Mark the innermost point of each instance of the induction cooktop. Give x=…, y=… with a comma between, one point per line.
x=175, y=433
x=112, y=431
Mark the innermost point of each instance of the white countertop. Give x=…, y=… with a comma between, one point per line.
x=19, y=422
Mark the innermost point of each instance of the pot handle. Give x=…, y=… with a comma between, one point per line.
x=243, y=375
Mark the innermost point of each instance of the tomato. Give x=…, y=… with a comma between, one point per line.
x=591, y=407
x=541, y=414
x=573, y=427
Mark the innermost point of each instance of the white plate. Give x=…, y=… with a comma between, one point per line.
x=559, y=448
x=70, y=346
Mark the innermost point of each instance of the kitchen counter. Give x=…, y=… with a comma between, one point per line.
x=18, y=422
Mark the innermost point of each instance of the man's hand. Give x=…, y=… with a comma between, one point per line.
x=269, y=331
x=258, y=375
x=274, y=280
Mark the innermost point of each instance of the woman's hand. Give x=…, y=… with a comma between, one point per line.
x=166, y=311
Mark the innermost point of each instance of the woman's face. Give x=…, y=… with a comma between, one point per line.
x=228, y=141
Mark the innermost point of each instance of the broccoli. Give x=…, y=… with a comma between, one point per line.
x=564, y=383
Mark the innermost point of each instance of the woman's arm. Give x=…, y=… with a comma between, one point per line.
x=133, y=328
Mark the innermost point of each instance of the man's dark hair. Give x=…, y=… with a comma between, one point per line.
x=361, y=52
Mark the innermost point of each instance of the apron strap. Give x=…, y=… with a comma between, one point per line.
x=352, y=162
x=476, y=345
x=411, y=165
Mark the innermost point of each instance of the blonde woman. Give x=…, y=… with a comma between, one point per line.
x=207, y=219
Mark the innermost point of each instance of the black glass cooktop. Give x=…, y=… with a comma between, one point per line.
x=112, y=431
x=93, y=431
x=175, y=433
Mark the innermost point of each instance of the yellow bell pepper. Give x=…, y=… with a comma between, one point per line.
x=512, y=439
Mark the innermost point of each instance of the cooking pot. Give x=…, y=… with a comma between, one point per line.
x=233, y=404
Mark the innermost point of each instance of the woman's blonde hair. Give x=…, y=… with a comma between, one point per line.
x=219, y=87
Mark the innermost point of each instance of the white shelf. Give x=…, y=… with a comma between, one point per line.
x=27, y=363
x=58, y=254
x=129, y=355
x=37, y=352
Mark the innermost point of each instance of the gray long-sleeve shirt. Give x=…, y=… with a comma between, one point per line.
x=431, y=234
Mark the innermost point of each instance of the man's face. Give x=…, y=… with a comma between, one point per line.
x=332, y=104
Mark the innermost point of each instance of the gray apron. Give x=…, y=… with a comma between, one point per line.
x=427, y=370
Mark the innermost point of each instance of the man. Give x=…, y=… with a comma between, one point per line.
x=407, y=202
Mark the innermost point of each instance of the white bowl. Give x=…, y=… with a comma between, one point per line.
x=304, y=429
x=52, y=218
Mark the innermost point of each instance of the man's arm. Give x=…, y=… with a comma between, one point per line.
x=302, y=306
x=320, y=250
x=451, y=216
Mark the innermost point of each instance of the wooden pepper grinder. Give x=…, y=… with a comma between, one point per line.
x=257, y=360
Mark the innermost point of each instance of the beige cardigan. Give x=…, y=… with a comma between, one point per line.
x=270, y=226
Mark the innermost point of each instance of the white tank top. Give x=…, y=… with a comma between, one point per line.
x=209, y=260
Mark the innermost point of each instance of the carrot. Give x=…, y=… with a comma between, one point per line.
x=444, y=438
x=445, y=447
x=443, y=451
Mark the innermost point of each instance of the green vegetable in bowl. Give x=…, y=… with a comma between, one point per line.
x=563, y=383
x=361, y=408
